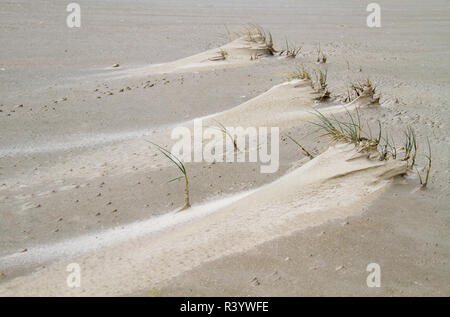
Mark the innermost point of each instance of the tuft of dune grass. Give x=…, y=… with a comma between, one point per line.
x=227, y=133
x=291, y=50
x=300, y=73
x=307, y=153
x=178, y=163
x=424, y=182
x=365, y=89
x=322, y=85
x=222, y=55
x=256, y=34
x=352, y=131
x=321, y=57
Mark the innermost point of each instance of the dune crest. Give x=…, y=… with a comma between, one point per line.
x=284, y=105
x=238, y=52
x=336, y=184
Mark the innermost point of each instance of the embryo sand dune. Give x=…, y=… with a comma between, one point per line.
x=325, y=188
x=243, y=50
x=285, y=105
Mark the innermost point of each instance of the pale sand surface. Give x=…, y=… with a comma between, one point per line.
x=80, y=166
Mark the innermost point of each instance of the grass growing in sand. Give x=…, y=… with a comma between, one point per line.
x=307, y=153
x=226, y=132
x=291, y=50
x=362, y=89
x=322, y=85
x=346, y=131
x=365, y=89
x=299, y=73
x=222, y=55
x=256, y=34
x=410, y=146
x=181, y=167
x=423, y=182
x=321, y=57
x=351, y=131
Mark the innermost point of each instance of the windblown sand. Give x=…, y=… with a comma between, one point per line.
x=80, y=183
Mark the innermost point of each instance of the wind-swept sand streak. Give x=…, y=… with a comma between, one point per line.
x=334, y=185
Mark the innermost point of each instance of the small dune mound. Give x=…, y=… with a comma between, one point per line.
x=285, y=105
x=254, y=41
x=333, y=185
x=246, y=46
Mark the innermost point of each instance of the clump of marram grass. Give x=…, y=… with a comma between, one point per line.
x=424, y=182
x=222, y=55
x=299, y=73
x=227, y=133
x=291, y=50
x=256, y=34
x=346, y=131
x=321, y=85
x=365, y=89
x=351, y=131
x=362, y=89
x=175, y=160
x=321, y=57
x=410, y=146
x=349, y=97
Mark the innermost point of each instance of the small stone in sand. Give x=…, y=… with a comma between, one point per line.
x=115, y=65
x=23, y=250
x=98, y=214
x=255, y=281
x=339, y=268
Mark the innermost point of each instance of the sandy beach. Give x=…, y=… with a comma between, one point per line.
x=81, y=180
